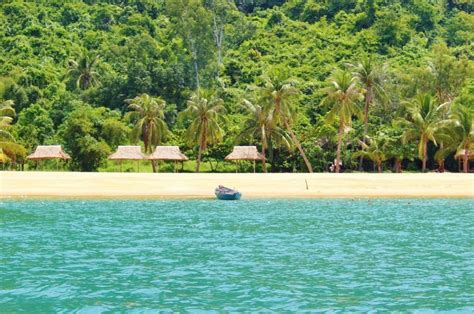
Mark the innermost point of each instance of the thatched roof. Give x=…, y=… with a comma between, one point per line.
x=127, y=153
x=463, y=153
x=244, y=153
x=167, y=153
x=49, y=152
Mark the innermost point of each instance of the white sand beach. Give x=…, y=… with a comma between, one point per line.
x=201, y=185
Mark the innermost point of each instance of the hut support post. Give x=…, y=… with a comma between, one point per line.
x=175, y=169
x=138, y=165
x=120, y=163
x=254, y=166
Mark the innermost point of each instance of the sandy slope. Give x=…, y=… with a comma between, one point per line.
x=76, y=184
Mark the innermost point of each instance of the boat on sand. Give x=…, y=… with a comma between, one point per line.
x=227, y=194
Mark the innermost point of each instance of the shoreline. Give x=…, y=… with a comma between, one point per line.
x=82, y=185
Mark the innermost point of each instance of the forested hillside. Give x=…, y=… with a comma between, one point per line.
x=380, y=84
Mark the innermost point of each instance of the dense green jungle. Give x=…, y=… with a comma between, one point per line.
x=316, y=85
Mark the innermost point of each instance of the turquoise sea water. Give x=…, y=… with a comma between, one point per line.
x=294, y=255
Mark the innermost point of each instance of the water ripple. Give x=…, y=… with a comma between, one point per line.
x=204, y=256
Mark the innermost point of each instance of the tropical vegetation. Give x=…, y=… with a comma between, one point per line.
x=353, y=85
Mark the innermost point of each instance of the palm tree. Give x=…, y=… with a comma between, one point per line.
x=148, y=114
x=260, y=125
x=279, y=96
x=84, y=70
x=447, y=74
x=344, y=95
x=7, y=112
x=423, y=122
x=204, y=109
x=374, y=150
x=458, y=132
x=9, y=149
x=371, y=77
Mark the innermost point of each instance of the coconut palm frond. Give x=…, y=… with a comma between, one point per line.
x=148, y=114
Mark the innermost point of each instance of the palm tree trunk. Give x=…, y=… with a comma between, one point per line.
x=368, y=100
x=379, y=167
x=198, y=162
x=465, y=163
x=300, y=148
x=202, y=143
x=441, y=167
x=425, y=156
x=441, y=161
x=339, y=144
x=398, y=165
x=361, y=163
x=146, y=143
x=264, y=141
x=271, y=156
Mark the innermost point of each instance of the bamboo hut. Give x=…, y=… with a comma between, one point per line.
x=245, y=153
x=48, y=152
x=168, y=153
x=128, y=153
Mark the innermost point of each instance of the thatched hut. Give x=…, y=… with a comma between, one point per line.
x=168, y=153
x=48, y=152
x=44, y=152
x=128, y=153
x=245, y=153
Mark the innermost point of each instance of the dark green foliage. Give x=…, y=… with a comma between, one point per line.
x=89, y=133
x=252, y=5
x=34, y=126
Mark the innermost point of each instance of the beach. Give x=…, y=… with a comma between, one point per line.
x=201, y=185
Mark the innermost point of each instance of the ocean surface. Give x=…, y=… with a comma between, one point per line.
x=251, y=255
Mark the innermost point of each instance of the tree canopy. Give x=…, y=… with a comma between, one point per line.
x=69, y=69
